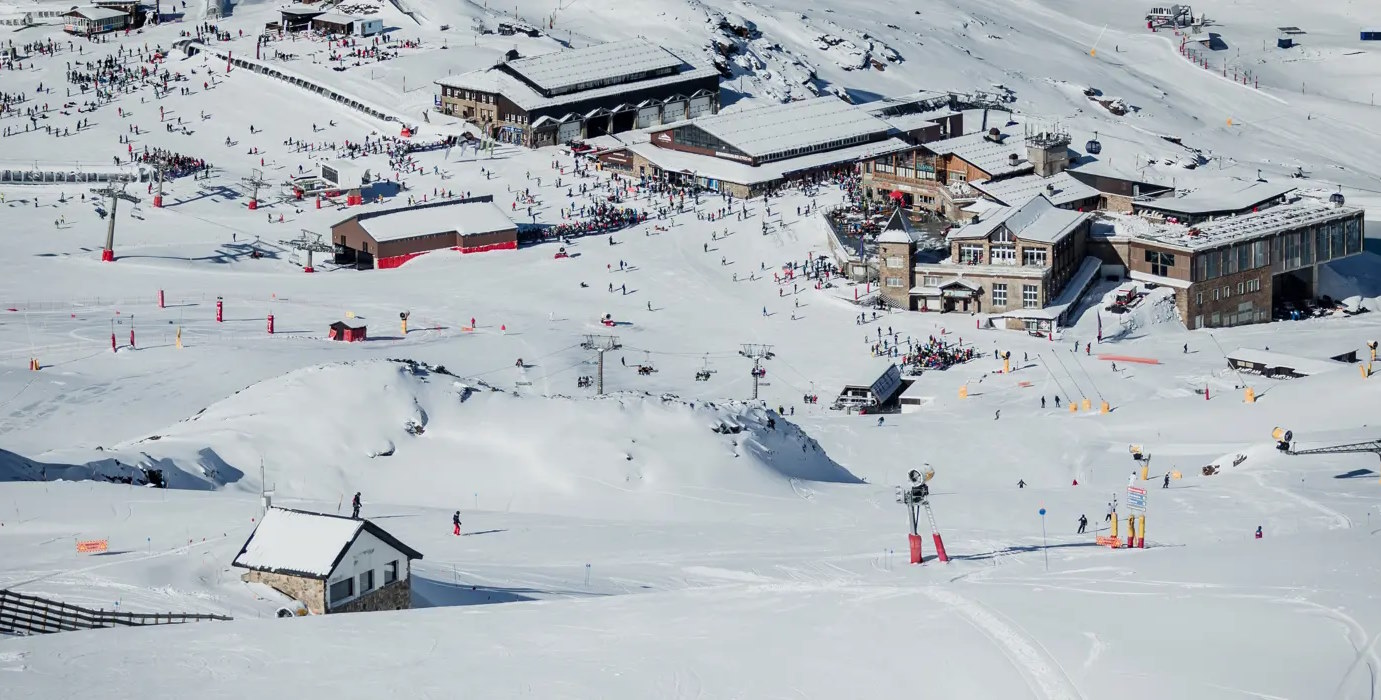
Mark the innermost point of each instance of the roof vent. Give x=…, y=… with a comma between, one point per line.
x=1013, y=159
x=994, y=135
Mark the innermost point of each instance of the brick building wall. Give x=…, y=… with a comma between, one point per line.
x=1229, y=300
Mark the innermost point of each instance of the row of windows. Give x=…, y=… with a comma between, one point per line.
x=471, y=95
x=804, y=150
x=1286, y=251
x=1244, y=314
x=345, y=589
x=1030, y=295
x=972, y=254
x=1246, y=287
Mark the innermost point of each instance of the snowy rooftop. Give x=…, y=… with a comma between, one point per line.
x=524, y=96
x=763, y=131
x=563, y=70
x=1059, y=189
x=992, y=157
x=932, y=99
x=1272, y=360
x=1037, y=220
x=1223, y=196
x=97, y=13
x=301, y=10
x=297, y=542
x=745, y=174
x=335, y=18
x=465, y=218
x=1230, y=230
x=909, y=122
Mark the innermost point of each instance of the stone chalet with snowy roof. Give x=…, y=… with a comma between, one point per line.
x=329, y=563
x=1024, y=264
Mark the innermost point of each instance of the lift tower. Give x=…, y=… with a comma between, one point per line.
x=114, y=194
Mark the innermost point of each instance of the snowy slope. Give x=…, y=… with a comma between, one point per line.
x=615, y=546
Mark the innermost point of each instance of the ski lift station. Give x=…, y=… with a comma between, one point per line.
x=388, y=238
x=1174, y=16
x=877, y=395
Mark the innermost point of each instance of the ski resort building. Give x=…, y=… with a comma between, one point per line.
x=329, y=563
x=95, y=20
x=298, y=18
x=937, y=176
x=1214, y=201
x=346, y=25
x=1236, y=269
x=388, y=238
x=1024, y=264
x=563, y=96
x=753, y=151
x=879, y=393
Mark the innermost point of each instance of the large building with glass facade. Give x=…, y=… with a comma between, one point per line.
x=1235, y=270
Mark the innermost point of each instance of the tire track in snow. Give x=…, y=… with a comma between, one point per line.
x=1044, y=675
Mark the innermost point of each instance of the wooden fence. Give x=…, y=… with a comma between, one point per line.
x=27, y=614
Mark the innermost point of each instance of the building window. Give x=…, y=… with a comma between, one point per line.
x=1162, y=262
x=1033, y=256
x=1004, y=255
x=1198, y=297
x=1241, y=286
x=1215, y=320
x=1199, y=321
x=894, y=281
x=999, y=294
x=1001, y=235
x=340, y=590
x=1030, y=296
x=894, y=261
x=366, y=582
x=1215, y=294
x=1227, y=291
x=390, y=572
x=970, y=254
x=958, y=176
x=930, y=281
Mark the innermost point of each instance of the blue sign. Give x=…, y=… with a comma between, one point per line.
x=1042, y=512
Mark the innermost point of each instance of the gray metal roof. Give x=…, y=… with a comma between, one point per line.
x=1059, y=189
x=1037, y=220
x=465, y=218
x=1267, y=222
x=773, y=129
x=1224, y=196
x=97, y=14
x=565, y=69
x=496, y=81
x=992, y=157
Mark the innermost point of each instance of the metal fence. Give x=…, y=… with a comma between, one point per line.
x=27, y=614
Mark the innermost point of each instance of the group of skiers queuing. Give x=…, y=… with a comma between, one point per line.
x=356, y=504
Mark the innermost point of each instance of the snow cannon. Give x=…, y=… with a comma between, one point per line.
x=1283, y=439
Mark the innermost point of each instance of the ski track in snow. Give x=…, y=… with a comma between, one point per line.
x=1340, y=521
x=1044, y=675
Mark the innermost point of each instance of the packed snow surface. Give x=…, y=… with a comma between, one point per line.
x=672, y=537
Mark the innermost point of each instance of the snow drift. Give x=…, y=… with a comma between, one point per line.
x=404, y=433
